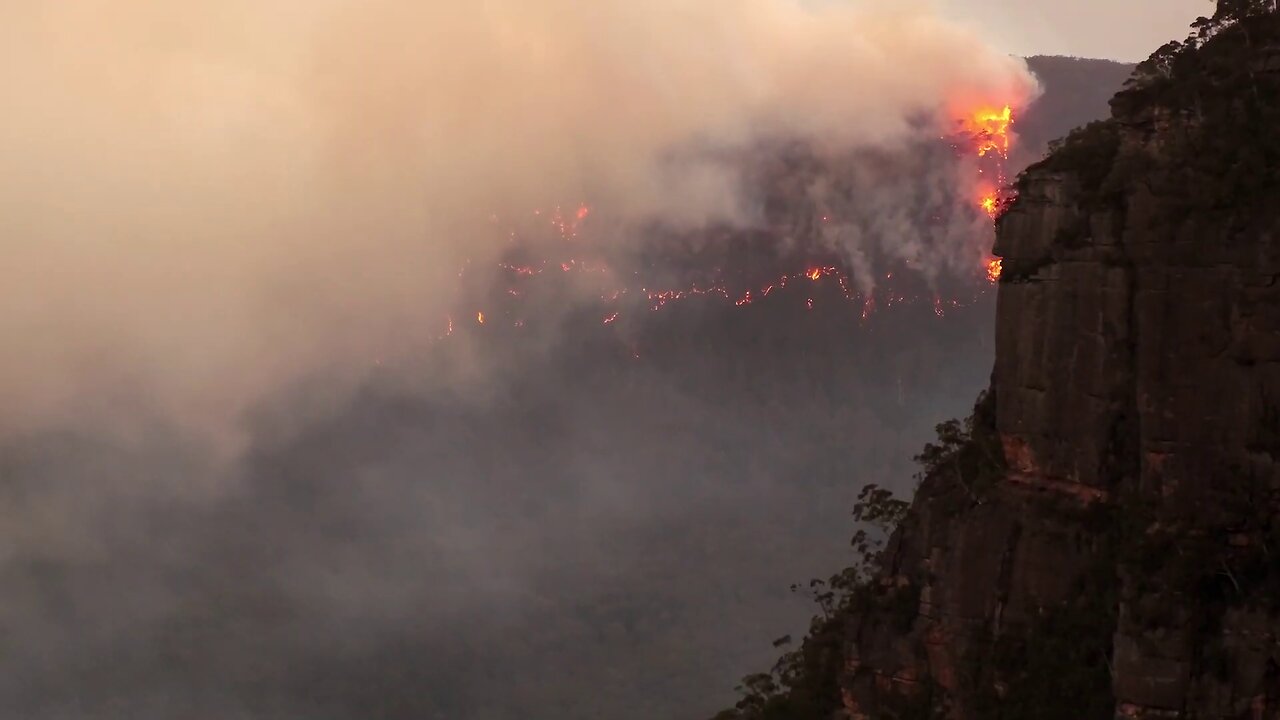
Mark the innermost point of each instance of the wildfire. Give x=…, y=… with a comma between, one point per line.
x=990, y=129
x=720, y=288
x=990, y=203
x=984, y=133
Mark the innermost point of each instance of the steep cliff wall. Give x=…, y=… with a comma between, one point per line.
x=1119, y=554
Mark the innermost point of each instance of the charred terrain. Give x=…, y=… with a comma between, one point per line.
x=1099, y=538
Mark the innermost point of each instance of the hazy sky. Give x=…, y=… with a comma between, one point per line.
x=1130, y=31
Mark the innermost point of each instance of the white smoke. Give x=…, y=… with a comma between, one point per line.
x=206, y=200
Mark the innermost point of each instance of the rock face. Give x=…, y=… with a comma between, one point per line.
x=1120, y=556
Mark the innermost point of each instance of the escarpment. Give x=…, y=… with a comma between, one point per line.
x=1102, y=538
x=1125, y=557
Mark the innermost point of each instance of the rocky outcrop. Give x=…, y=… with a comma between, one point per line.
x=1122, y=555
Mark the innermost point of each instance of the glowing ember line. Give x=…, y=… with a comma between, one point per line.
x=989, y=138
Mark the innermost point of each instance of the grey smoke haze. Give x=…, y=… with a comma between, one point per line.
x=599, y=537
x=1127, y=30
x=239, y=480
x=205, y=201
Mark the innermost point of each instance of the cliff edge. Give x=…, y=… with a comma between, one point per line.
x=1102, y=537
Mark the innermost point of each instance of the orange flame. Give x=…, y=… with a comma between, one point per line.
x=990, y=203
x=990, y=129
x=480, y=317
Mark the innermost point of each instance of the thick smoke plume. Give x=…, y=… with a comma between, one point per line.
x=237, y=222
x=204, y=201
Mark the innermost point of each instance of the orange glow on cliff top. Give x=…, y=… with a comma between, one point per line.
x=995, y=266
x=990, y=129
x=990, y=203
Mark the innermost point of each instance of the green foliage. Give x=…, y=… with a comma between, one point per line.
x=1088, y=152
x=1234, y=11
x=1220, y=146
x=878, y=507
x=804, y=683
x=1179, y=62
x=1216, y=109
x=967, y=454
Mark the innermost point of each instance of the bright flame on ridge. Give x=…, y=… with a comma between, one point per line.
x=990, y=129
x=994, y=267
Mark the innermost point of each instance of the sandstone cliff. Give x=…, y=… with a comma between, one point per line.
x=1123, y=557
x=1103, y=538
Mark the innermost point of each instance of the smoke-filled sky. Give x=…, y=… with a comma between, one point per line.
x=206, y=200
x=1114, y=29
x=240, y=479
